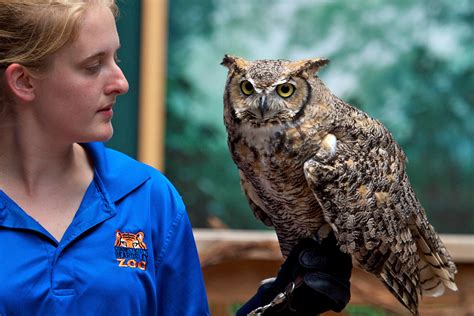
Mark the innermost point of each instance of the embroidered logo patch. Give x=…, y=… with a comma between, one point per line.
x=131, y=250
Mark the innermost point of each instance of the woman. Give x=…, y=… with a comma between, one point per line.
x=85, y=230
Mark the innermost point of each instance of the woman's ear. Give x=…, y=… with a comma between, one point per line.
x=19, y=81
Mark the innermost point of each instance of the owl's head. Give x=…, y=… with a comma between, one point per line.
x=265, y=92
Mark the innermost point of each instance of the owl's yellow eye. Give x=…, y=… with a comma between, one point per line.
x=246, y=87
x=285, y=90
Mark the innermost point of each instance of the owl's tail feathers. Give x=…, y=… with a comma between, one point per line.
x=436, y=270
x=402, y=287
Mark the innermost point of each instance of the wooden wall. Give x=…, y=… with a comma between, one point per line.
x=234, y=263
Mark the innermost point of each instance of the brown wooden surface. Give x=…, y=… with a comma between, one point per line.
x=234, y=263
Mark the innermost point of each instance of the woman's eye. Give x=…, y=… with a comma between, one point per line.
x=246, y=87
x=93, y=68
x=285, y=90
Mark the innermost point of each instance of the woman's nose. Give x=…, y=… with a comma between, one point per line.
x=118, y=84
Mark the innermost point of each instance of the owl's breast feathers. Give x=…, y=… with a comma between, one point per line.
x=270, y=160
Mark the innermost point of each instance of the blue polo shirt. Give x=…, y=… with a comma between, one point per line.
x=128, y=251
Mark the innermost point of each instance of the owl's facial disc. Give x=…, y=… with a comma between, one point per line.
x=267, y=104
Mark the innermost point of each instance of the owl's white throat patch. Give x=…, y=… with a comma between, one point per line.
x=259, y=136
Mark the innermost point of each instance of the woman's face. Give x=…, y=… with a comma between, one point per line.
x=75, y=96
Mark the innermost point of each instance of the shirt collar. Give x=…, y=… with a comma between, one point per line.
x=119, y=173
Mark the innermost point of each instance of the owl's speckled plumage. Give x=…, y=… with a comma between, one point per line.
x=308, y=159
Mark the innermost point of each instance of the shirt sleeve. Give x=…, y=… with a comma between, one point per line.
x=180, y=287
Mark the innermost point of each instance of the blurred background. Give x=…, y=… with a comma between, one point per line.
x=409, y=64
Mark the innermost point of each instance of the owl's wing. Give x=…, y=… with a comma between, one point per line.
x=254, y=201
x=361, y=194
x=437, y=268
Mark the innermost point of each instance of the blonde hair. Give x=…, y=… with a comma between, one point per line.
x=32, y=30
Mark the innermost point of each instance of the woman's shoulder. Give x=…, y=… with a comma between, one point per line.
x=123, y=173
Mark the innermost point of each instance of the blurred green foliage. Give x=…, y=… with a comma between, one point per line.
x=409, y=64
x=362, y=310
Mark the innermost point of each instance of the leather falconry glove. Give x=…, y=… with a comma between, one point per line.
x=313, y=279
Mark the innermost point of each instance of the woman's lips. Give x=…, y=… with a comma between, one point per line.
x=107, y=112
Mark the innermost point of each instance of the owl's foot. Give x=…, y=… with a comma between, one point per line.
x=323, y=232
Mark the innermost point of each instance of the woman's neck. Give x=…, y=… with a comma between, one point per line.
x=30, y=162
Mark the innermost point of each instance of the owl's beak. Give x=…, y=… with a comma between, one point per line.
x=263, y=106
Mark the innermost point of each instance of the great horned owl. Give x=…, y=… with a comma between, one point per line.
x=309, y=163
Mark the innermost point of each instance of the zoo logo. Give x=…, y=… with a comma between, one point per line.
x=131, y=250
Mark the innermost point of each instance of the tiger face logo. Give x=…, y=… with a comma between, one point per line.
x=131, y=250
x=129, y=240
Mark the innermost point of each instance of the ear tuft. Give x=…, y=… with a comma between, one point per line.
x=228, y=60
x=234, y=63
x=310, y=65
